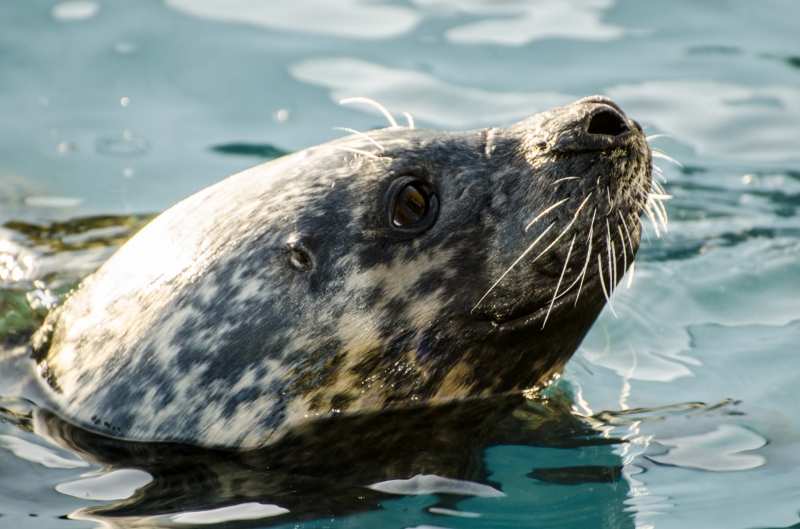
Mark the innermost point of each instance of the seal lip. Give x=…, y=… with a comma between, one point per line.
x=529, y=320
x=490, y=327
x=410, y=231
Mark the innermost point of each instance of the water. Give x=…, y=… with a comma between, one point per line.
x=120, y=109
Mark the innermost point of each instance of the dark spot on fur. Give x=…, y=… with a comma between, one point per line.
x=341, y=401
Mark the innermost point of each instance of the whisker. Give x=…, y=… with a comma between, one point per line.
x=410, y=120
x=664, y=217
x=565, y=178
x=571, y=285
x=558, y=285
x=655, y=184
x=664, y=156
x=582, y=275
x=349, y=149
x=630, y=242
x=611, y=280
x=637, y=220
x=646, y=233
x=630, y=274
x=648, y=209
x=373, y=103
x=603, y=283
x=641, y=191
x=655, y=197
x=614, y=259
x=533, y=244
x=661, y=216
x=624, y=251
x=660, y=202
x=585, y=200
x=658, y=172
x=588, y=257
x=523, y=254
x=574, y=218
x=656, y=136
x=361, y=134
x=554, y=241
x=545, y=212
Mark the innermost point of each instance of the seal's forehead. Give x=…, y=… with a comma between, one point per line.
x=407, y=146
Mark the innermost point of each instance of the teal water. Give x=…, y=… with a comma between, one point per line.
x=123, y=108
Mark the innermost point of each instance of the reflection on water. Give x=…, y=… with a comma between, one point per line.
x=75, y=10
x=353, y=464
x=719, y=450
x=766, y=119
x=124, y=145
x=40, y=264
x=347, y=18
x=444, y=105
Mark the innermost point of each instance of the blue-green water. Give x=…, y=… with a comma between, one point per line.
x=117, y=108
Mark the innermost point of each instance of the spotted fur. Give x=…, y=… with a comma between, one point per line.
x=200, y=330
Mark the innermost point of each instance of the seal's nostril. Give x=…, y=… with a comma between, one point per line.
x=607, y=122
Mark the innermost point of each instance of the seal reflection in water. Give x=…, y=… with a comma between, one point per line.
x=353, y=463
x=383, y=270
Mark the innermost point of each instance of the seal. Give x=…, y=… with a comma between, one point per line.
x=386, y=269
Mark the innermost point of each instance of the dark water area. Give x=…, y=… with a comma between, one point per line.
x=680, y=409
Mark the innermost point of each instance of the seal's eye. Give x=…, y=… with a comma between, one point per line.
x=411, y=206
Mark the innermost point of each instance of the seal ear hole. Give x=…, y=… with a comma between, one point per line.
x=300, y=261
x=299, y=257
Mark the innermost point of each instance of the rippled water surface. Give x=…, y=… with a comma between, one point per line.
x=685, y=405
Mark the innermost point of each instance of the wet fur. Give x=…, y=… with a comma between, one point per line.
x=199, y=330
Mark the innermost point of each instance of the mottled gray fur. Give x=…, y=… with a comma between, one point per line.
x=201, y=329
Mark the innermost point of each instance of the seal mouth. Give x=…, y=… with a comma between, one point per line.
x=527, y=320
x=534, y=317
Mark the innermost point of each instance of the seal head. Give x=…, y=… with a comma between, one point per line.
x=386, y=269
